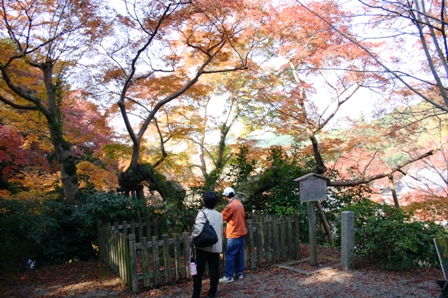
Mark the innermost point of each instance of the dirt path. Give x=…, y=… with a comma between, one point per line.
x=277, y=282
x=94, y=279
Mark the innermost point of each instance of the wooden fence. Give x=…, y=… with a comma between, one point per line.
x=145, y=260
x=271, y=238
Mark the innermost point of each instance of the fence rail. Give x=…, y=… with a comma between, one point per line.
x=142, y=259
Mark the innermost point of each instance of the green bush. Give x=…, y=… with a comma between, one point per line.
x=274, y=190
x=21, y=229
x=385, y=235
x=48, y=231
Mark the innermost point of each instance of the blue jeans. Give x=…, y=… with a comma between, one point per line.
x=234, y=257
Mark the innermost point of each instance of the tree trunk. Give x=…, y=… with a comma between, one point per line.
x=62, y=148
x=69, y=176
x=393, y=190
x=325, y=222
x=172, y=192
x=320, y=165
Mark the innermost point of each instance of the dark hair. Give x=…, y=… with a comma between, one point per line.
x=210, y=199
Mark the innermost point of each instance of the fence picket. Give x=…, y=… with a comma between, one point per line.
x=250, y=244
x=140, y=228
x=187, y=253
x=121, y=254
x=133, y=259
x=148, y=228
x=156, y=260
x=166, y=258
x=258, y=241
x=145, y=262
x=289, y=236
x=276, y=237
x=133, y=227
x=283, y=238
x=125, y=228
x=176, y=256
x=268, y=240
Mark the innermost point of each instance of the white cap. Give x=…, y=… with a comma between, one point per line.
x=227, y=191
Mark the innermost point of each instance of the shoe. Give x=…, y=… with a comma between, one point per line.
x=226, y=279
x=240, y=276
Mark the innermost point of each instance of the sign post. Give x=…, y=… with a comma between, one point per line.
x=312, y=188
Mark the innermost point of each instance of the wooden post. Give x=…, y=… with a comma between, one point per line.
x=348, y=240
x=312, y=232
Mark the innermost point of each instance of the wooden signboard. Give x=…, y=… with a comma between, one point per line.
x=312, y=187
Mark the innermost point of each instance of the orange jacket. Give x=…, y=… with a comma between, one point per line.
x=235, y=217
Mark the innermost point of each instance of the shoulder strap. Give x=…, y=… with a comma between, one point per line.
x=206, y=219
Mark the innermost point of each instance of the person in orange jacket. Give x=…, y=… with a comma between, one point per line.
x=236, y=231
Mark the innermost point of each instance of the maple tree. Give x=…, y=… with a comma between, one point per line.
x=211, y=126
x=312, y=53
x=40, y=41
x=165, y=48
x=406, y=82
x=314, y=48
x=15, y=155
x=89, y=132
x=28, y=161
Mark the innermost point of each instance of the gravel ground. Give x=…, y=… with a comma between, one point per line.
x=326, y=281
x=277, y=282
x=94, y=279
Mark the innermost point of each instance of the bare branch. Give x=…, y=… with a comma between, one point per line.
x=397, y=168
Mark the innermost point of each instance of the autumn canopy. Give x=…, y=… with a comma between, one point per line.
x=162, y=97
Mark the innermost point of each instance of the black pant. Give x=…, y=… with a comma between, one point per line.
x=202, y=258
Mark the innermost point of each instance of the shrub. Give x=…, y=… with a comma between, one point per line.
x=49, y=231
x=384, y=235
x=20, y=231
x=273, y=191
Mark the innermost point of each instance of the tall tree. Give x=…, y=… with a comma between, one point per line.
x=213, y=118
x=40, y=42
x=318, y=49
x=316, y=79
x=164, y=49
